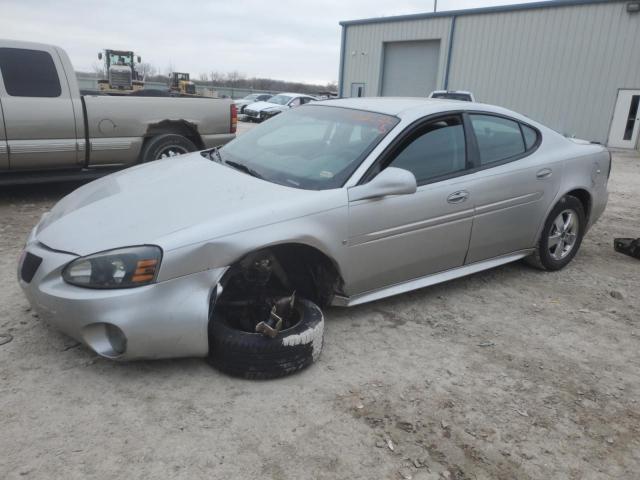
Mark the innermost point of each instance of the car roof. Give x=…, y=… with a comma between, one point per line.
x=415, y=107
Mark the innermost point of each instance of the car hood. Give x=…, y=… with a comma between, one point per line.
x=259, y=106
x=149, y=203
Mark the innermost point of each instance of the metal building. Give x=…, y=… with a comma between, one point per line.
x=573, y=65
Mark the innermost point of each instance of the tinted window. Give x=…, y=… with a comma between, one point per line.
x=29, y=73
x=453, y=96
x=530, y=136
x=438, y=150
x=498, y=138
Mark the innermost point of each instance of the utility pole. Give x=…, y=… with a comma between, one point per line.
x=435, y=6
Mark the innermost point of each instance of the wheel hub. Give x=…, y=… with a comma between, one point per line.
x=563, y=234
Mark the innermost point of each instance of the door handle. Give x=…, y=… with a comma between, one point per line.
x=458, y=197
x=544, y=173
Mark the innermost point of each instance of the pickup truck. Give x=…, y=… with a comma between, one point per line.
x=49, y=131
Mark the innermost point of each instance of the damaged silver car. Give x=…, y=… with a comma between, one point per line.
x=230, y=253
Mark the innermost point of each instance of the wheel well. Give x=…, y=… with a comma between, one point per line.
x=585, y=199
x=308, y=271
x=179, y=127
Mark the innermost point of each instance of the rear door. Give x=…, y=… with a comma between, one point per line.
x=512, y=188
x=39, y=119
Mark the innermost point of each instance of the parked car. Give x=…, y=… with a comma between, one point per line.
x=461, y=95
x=49, y=131
x=252, y=98
x=260, y=111
x=339, y=202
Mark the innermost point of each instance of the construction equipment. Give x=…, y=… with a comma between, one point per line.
x=180, y=83
x=122, y=76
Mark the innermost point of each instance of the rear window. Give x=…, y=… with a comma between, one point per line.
x=465, y=97
x=29, y=73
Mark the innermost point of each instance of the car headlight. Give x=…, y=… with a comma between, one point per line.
x=121, y=268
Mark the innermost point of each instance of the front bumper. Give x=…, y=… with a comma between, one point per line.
x=163, y=320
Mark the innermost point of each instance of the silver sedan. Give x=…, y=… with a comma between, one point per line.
x=341, y=202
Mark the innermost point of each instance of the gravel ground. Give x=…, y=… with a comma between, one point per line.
x=508, y=374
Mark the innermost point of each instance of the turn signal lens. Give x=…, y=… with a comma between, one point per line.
x=234, y=118
x=121, y=268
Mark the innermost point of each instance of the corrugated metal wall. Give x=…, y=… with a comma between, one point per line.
x=363, y=49
x=562, y=66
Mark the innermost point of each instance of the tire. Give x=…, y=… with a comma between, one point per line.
x=255, y=356
x=547, y=256
x=164, y=144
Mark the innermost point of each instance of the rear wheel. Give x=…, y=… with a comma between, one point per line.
x=561, y=236
x=166, y=146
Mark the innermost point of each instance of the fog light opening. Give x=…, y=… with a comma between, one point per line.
x=105, y=339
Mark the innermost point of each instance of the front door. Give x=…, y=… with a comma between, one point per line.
x=626, y=120
x=398, y=238
x=40, y=123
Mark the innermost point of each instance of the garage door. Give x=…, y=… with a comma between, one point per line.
x=410, y=68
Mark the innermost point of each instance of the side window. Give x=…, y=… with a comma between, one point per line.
x=437, y=149
x=295, y=102
x=530, y=136
x=29, y=73
x=498, y=138
x=304, y=100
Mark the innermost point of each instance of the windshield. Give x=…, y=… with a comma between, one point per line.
x=312, y=147
x=280, y=99
x=115, y=59
x=253, y=96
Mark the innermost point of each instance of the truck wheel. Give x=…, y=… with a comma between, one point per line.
x=166, y=146
x=255, y=356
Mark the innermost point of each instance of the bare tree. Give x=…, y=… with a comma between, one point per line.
x=146, y=69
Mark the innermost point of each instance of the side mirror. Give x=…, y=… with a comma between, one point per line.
x=391, y=181
x=99, y=55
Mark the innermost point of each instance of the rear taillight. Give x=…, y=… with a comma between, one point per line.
x=234, y=119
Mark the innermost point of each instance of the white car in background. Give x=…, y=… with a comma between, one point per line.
x=460, y=95
x=259, y=111
x=242, y=103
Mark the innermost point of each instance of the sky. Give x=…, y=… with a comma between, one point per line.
x=282, y=39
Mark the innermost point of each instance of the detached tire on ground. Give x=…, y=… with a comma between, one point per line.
x=166, y=145
x=255, y=356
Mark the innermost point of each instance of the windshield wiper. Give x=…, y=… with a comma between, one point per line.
x=243, y=168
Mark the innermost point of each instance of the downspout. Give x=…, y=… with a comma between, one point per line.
x=342, y=57
x=450, y=49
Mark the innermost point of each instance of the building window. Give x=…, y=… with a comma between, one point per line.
x=357, y=89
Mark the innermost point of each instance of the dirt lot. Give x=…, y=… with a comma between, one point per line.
x=507, y=374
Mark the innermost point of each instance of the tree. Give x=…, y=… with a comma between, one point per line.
x=146, y=69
